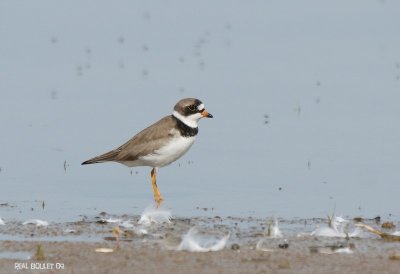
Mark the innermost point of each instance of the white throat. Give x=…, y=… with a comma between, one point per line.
x=190, y=120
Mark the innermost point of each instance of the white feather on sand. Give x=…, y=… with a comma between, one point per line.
x=35, y=222
x=193, y=241
x=337, y=228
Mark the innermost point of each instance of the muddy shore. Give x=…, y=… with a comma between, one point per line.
x=72, y=248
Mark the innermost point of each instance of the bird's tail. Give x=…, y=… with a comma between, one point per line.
x=106, y=157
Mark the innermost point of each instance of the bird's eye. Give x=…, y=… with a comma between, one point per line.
x=192, y=107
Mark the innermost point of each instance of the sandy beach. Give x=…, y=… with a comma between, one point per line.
x=82, y=258
x=74, y=248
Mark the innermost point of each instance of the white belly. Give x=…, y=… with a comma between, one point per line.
x=169, y=153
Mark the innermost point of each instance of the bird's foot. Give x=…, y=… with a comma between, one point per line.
x=158, y=199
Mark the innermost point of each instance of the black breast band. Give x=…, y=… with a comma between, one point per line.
x=184, y=129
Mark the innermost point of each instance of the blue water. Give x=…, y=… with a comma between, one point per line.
x=304, y=97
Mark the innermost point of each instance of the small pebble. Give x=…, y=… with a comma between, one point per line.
x=394, y=256
x=388, y=225
x=284, y=246
x=235, y=247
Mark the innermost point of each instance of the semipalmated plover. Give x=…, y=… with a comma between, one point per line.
x=161, y=143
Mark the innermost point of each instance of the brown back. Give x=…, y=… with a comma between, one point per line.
x=143, y=143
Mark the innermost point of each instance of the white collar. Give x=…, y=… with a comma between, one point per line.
x=190, y=121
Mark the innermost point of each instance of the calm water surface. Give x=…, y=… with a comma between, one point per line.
x=305, y=98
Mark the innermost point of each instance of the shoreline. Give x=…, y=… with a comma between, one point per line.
x=129, y=247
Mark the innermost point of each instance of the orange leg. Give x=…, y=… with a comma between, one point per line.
x=157, y=195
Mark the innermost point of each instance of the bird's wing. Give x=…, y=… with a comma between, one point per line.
x=148, y=140
x=143, y=143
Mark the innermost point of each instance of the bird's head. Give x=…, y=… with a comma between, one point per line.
x=190, y=111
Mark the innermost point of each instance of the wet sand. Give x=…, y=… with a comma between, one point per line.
x=81, y=258
x=72, y=246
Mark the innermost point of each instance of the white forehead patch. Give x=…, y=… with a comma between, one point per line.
x=200, y=107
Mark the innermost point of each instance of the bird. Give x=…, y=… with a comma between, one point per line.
x=161, y=143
